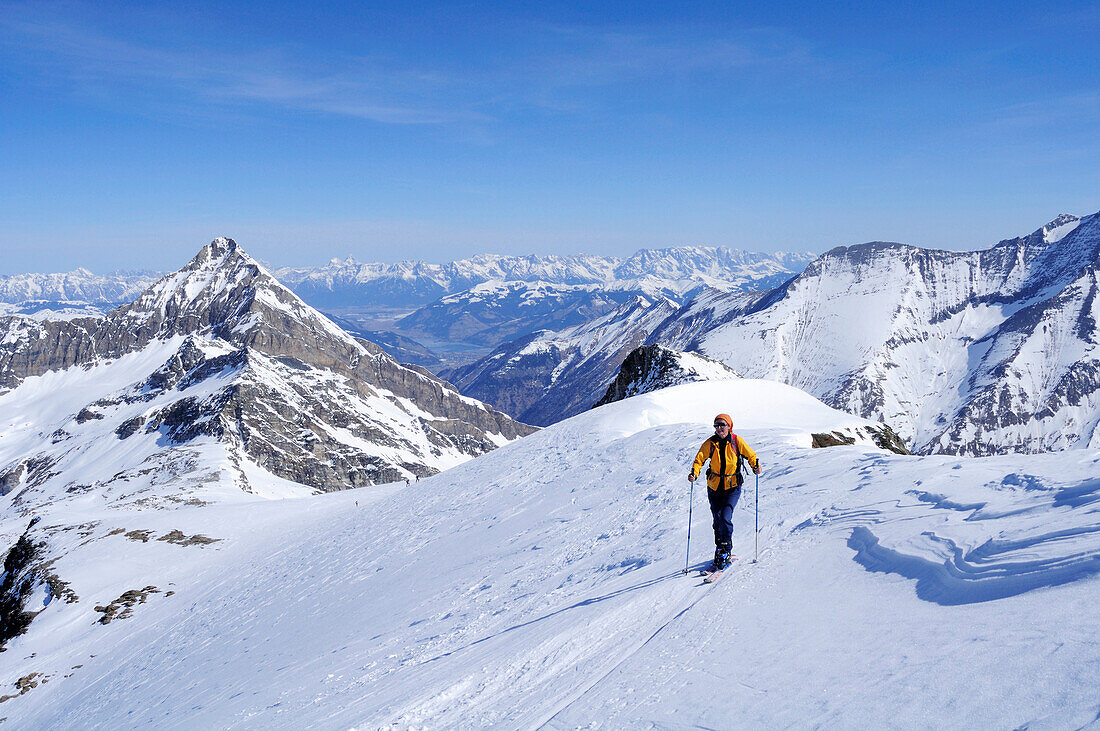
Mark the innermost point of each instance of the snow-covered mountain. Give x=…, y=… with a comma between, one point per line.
x=213, y=375
x=541, y=586
x=975, y=352
x=550, y=375
x=493, y=312
x=79, y=285
x=352, y=283
x=69, y=294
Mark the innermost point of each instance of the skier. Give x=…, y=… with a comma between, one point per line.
x=725, y=451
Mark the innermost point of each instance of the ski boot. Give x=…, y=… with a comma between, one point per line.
x=722, y=556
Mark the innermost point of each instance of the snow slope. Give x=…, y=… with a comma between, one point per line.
x=540, y=585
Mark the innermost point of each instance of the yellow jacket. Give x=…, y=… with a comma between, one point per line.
x=736, y=449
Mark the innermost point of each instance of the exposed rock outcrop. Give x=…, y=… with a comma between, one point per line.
x=652, y=367
x=882, y=435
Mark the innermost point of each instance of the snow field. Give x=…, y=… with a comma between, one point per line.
x=541, y=585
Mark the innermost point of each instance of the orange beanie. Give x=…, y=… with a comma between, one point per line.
x=726, y=418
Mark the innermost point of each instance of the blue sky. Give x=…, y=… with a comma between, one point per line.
x=132, y=134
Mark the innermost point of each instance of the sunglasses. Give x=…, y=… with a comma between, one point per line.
x=721, y=424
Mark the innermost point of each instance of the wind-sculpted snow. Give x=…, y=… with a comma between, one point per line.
x=540, y=585
x=952, y=567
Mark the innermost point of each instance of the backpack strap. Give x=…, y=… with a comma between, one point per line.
x=736, y=448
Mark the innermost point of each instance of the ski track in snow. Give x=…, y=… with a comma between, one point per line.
x=540, y=586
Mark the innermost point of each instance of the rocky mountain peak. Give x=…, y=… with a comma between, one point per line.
x=218, y=248
x=215, y=289
x=219, y=356
x=1061, y=219
x=1058, y=229
x=225, y=292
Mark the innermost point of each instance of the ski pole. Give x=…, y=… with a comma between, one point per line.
x=757, y=506
x=691, y=495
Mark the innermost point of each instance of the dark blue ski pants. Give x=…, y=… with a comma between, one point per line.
x=722, y=503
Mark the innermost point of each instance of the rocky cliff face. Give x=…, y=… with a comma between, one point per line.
x=964, y=352
x=221, y=353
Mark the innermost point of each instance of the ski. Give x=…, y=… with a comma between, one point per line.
x=709, y=576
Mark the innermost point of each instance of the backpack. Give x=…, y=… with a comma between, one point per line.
x=737, y=468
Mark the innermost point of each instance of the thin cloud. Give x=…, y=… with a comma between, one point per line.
x=349, y=87
x=1081, y=107
x=592, y=56
x=551, y=68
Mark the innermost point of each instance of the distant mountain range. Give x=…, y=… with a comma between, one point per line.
x=79, y=285
x=408, y=284
x=78, y=293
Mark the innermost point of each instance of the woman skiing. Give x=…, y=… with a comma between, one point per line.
x=725, y=451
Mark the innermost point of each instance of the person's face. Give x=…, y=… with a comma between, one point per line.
x=721, y=428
